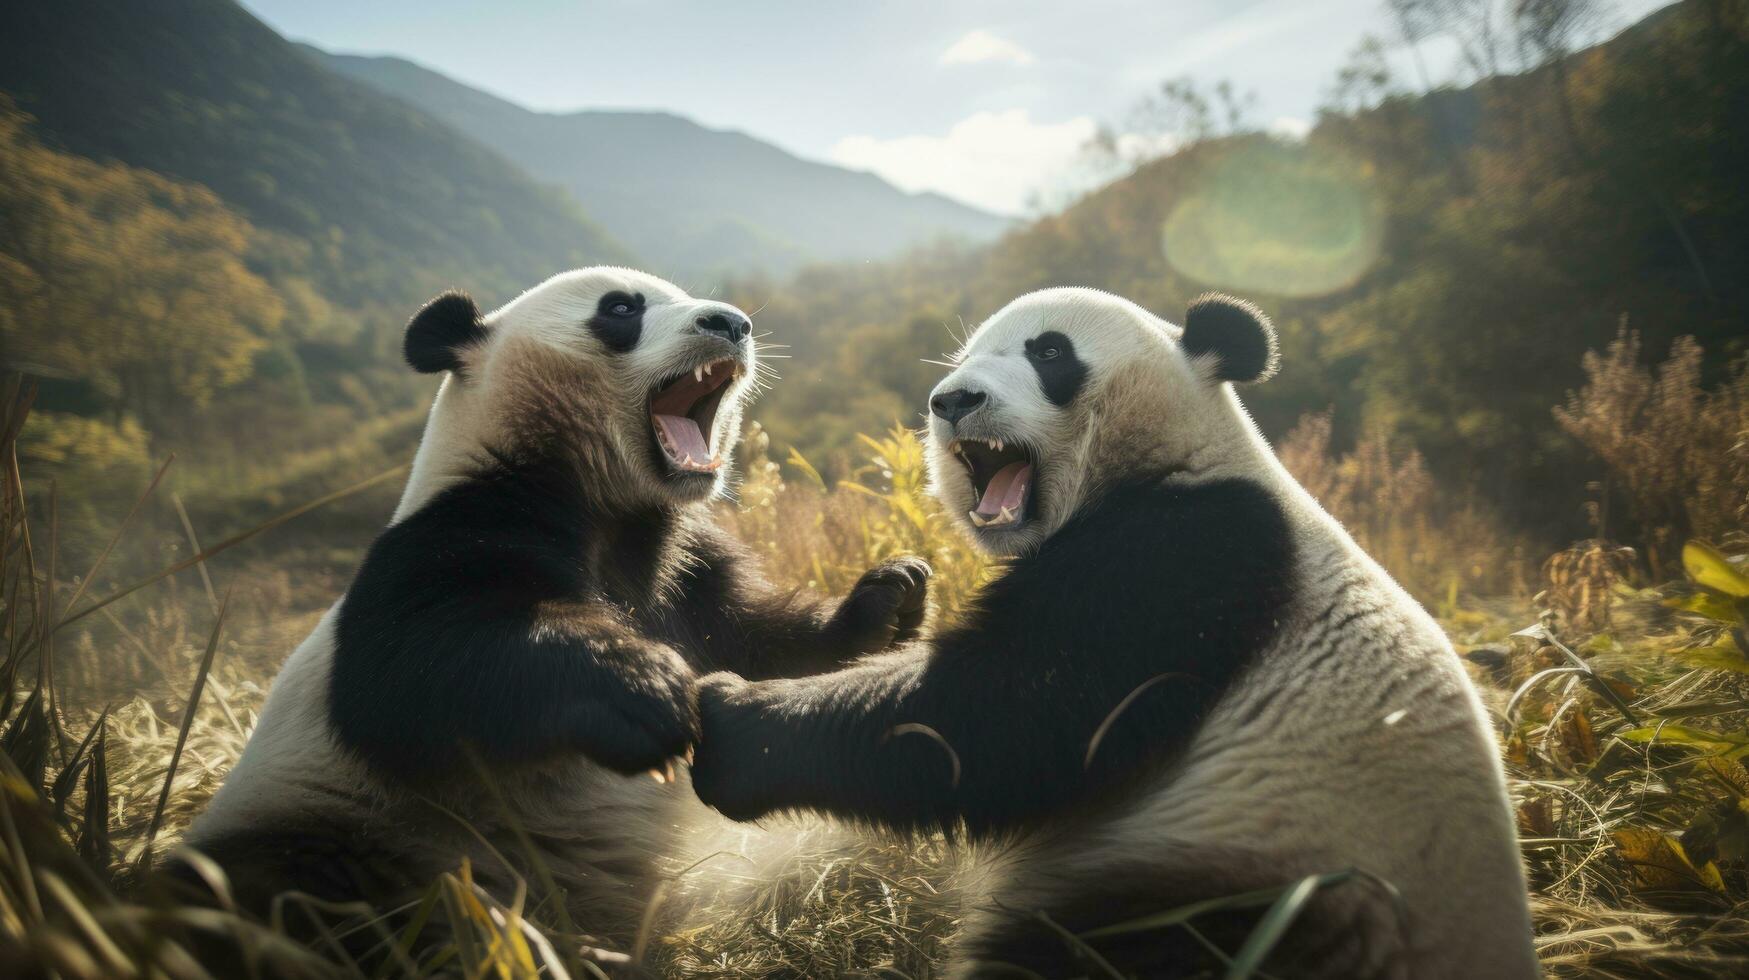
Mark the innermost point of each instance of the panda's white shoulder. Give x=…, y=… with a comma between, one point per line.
x=292, y=762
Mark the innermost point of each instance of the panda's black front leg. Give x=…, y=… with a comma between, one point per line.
x=740, y=623
x=784, y=637
x=856, y=743
x=631, y=709
x=412, y=693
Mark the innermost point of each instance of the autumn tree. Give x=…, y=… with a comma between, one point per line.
x=123, y=279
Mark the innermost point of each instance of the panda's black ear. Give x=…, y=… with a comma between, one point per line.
x=1235, y=333
x=439, y=332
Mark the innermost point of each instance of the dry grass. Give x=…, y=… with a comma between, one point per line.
x=1636, y=829
x=1382, y=492
x=1677, y=452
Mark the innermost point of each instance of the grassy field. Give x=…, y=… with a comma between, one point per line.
x=1622, y=707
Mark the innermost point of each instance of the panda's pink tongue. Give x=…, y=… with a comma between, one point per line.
x=684, y=442
x=1006, y=490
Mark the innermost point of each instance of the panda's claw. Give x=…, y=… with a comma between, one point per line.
x=886, y=606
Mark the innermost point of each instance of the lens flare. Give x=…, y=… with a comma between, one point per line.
x=1274, y=217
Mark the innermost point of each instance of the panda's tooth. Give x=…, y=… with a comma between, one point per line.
x=978, y=520
x=707, y=368
x=998, y=444
x=698, y=373
x=1007, y=517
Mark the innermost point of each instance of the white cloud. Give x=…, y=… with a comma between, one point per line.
x=978, y=46
x=995, y=160
x=1290, y=127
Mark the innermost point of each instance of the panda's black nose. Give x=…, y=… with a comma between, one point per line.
x=956, y=404
x=732, y=327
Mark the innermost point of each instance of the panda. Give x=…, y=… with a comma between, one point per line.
x=1187, y=684
x=527, y=630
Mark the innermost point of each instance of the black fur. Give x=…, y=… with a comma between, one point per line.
x=1238, y=335
x=1062, y=374
x=619, y=320
x=511, y=614
x=440, y=330
x=1185, y=584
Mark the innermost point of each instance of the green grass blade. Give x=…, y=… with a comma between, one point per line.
x=1274, y=925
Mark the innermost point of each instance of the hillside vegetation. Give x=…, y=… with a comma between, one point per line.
x=1436, y=263
x=373, y=202
x=212, y=241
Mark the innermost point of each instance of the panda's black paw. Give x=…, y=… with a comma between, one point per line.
x=644, y=718
x=733, y=761
x=886, y=607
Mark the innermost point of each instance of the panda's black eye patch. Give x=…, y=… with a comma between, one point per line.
x=621, y=304
x=619, y=320
x=1060, y=373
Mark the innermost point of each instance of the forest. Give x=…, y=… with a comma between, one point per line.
x=1514, y=316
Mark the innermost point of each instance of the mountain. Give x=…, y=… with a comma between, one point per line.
x=693, y=200
x=373, y=201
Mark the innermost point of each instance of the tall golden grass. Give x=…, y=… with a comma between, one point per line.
x=1675, y=450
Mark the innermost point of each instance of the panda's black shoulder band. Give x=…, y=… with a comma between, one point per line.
x=1235, y=333
x=441, y=330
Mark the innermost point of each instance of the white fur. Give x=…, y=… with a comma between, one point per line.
x=1381, y=758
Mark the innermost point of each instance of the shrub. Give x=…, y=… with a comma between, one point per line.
x=1675, y=452
x=1383, y=493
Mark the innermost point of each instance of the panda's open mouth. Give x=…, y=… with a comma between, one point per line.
x=1002, y=477
x=683, y=412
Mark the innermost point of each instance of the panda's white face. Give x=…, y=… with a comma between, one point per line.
x=638, y=383
x=1061, y=392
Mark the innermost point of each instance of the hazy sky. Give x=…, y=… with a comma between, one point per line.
x=982, y=100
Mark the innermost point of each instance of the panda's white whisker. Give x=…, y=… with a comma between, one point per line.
x=945, y=364
x=958, y=338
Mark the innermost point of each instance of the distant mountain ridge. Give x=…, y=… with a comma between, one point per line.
x=691, y=199
x=378, y=203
